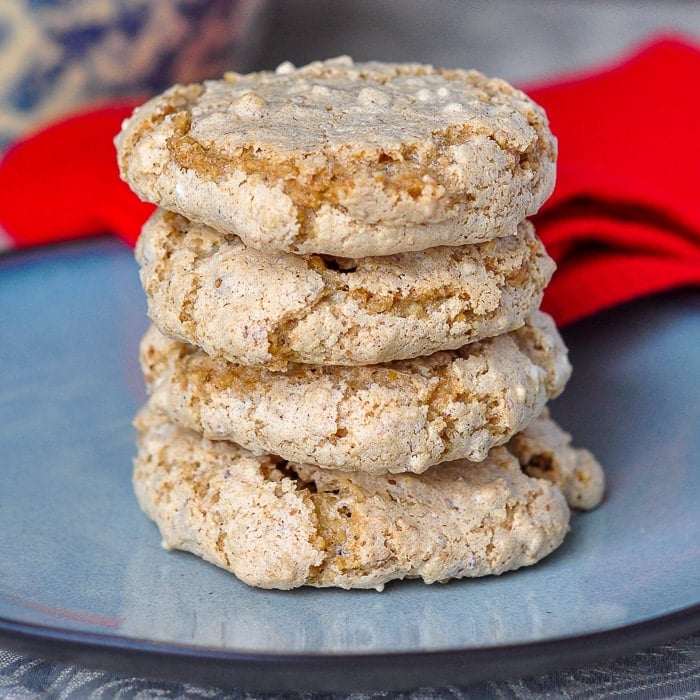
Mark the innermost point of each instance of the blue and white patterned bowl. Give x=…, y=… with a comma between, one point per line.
x=58, y=55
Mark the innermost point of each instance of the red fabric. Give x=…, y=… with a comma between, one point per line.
x=624, y=220
x=63, y=182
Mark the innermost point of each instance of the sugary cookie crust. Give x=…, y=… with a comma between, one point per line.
x=343, y=158
x=544, y=450
x=277, y=524
x=258, y=308
x=400, y=416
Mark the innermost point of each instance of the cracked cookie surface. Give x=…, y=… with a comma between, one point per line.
x=343, y=158
x=250, y=307
x=400, y=416
x=277, y=524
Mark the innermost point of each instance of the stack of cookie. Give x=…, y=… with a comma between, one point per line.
x=347, y=368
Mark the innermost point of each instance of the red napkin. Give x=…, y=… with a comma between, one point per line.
x=624, y=220
x=62, y=182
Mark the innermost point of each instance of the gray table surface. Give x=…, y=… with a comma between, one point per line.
x=522, y=41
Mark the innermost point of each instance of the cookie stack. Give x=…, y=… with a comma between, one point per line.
x=347, y=368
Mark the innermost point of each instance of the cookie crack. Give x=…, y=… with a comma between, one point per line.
x=186, y=315
x=338, y=535
x=279, y=347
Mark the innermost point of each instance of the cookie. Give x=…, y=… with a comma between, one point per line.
x=342, y=158
x=544, y=450
x=276, y=524
x=250, y=307
x=401, y=416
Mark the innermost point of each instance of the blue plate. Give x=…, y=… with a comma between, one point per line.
x=83, y=577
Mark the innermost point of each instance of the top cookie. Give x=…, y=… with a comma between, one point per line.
x=343, y=158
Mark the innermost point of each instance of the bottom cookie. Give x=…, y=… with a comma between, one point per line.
x=277, y=524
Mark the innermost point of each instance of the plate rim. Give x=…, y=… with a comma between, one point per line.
x=344, y=672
